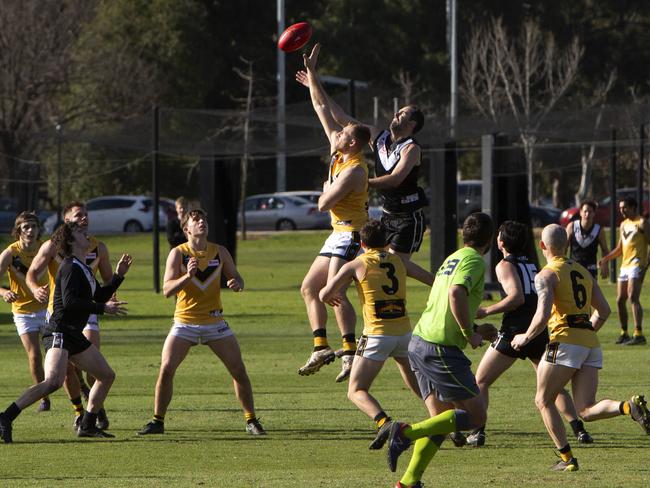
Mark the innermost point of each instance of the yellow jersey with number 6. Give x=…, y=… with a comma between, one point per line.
x=570, y=317
x=382, y=293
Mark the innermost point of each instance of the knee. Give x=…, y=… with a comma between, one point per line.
x=166, y=372
x=308, y=290
x=108, y=377
x=52, y=384
x=621, y=300
x=239, y=373
x=542, y=402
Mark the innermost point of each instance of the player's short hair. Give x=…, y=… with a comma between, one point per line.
x=418, y=117
x=591, y=203
x=21, y=218
x=63, y=238
x=182, y=201
x=478, y=229
x=361, y=133
x=193, y=214
x=630, y=202
x=70, y=205
x=514, y=236
x=554, y=237
x=373, y=234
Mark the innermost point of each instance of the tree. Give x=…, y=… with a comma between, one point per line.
x=521, y=77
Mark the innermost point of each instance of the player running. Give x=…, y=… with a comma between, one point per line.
x=193, y=274
x=566, y=294
x=516, y=276
x=381, y=283
x=345, y=195
x=633, y=246
x=443, y=372
x=29, y=313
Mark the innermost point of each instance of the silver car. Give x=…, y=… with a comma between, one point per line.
x=280, y=211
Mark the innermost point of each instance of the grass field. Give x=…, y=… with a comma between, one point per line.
x=316, y=438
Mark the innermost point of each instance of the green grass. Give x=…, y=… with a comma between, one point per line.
x=317, y=438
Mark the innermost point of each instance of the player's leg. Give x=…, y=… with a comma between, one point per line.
x=567, y=408
x=228, y=351
x=408, y=376
x=32, y=345
x=91, y=332
x=584, y=386
x=174, y=352
x=634, y=293
x=364, y=372
x=346, y=319
x=314, y=281
x=493, y=364
x=621, y=306
x=551, y=379
x=93, y=362
x=54, y=374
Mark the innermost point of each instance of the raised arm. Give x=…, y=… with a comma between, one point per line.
x=235, y=281
x=319, y=98
x=410, y=157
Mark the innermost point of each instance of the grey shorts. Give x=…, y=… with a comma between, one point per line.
x=443, y=370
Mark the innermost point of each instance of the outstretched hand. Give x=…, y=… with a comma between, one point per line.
x=301, y=77
x=123, y=264
x=310, y=61
x=115, y=308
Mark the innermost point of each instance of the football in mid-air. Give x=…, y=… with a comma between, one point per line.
x=294, y=37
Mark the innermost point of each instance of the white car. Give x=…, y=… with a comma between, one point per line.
x=120, y=213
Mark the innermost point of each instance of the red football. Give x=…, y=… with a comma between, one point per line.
x=294, y=37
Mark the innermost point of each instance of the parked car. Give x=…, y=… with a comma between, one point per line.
x=603, y=211
x=541, y=216
x=120, y=213
x=283, y=211
x=9, y=211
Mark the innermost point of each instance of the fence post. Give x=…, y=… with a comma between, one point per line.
x=154, y=183
x=613, y=206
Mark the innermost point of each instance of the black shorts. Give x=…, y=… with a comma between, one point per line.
x=404, y=231
x=72, y=341
x=534, y=350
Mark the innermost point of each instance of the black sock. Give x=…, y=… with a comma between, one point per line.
x=89, y=420
x=13, y=411
x=577, y=426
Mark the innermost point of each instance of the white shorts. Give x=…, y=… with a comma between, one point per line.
x=344, y=245
x=30, y=322
x=381, y=347
x=93, y=323
x=201, y=333
x=573, y=356
x=630, y=273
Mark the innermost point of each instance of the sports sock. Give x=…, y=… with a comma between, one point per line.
x=423, y=451
x=565, y=453
x=638, y=332
x=249, y=416
x=349, y=344
x=320, y=339
x=88, y=421
x=13, y=411
x=623, y=330
x=77, y=405
x=624, y=408
x=380, y=419
x=444, y=423
x=159, y=419
x=577, y=426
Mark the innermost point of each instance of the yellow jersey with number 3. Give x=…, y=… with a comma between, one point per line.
x=382, y=293
x=351, y=211
x=199, y=302
x=569, y=322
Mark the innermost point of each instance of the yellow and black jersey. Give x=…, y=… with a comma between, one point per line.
x=382, y=293
x=20, y=261
x=92, y=261
x=634, y=243
x=199, y=302
x=351, y=212
x=569, y=322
